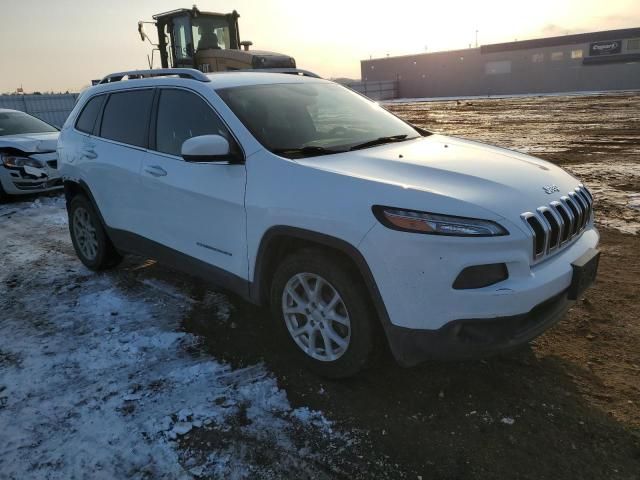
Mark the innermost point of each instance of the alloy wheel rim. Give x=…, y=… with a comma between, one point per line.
x=316, y=317
x=85, y=233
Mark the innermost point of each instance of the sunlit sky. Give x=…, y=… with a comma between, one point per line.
x=58, y=45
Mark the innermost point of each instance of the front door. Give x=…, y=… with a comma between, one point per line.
x=194, y=208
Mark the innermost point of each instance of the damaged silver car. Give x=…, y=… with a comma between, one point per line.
x=28, y=159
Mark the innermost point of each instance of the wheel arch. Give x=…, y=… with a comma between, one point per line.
x=282, y=240
x=73, y=188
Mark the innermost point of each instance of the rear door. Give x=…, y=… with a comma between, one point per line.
x=113, y=158
x=194, y=208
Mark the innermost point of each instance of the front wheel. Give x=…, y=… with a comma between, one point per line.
x=322, y=309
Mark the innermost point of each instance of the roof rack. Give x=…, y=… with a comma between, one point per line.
x=191, y=73
x=290, y=71
x=194, y=74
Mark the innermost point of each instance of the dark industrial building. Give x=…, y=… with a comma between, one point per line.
x=599, y=61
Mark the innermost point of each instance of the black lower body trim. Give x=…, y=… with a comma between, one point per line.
x=127, y=242
x=474, y=338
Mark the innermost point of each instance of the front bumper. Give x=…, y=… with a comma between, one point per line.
x=415, y=274
x=19, y=181
x=427, y=318
x=475, y=337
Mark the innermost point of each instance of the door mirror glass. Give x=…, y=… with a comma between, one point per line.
x=206, y=148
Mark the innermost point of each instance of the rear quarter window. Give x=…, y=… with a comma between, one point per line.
x=87, y=118
x=126, y=117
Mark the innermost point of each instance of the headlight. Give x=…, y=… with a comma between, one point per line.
x=16, y=162
x=434, y=224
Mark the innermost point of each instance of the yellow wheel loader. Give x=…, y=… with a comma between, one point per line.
x=209, y=42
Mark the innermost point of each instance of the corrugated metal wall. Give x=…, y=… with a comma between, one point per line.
x=53, y=109
x=489, y=70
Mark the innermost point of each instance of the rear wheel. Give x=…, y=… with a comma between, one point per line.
x=321, y=307
x=89, y=238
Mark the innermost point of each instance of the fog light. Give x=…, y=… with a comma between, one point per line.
x=480, y=276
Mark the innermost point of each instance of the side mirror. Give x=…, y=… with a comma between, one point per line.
x=207, y=148
x=143, y=35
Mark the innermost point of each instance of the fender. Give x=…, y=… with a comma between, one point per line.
x=258, y=287
x=84, y=189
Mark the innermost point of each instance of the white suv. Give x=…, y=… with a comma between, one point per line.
x=298, y=193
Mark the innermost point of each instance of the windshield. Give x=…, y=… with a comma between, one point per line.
x=294, y=119
x=18, y=123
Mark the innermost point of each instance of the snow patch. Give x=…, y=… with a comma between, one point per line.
x=616, y=205
x=97, y=379
x=634, y=201
x=507, y=420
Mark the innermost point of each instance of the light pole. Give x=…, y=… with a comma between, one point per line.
x=476, y=38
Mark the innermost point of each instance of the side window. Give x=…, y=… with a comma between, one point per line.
x=126, y=117
x=87, y=118
x=183, y=44
x=182, y=115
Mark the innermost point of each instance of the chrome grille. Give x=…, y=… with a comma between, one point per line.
x=556, y=224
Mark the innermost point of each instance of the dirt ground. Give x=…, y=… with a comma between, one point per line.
x=566, y=407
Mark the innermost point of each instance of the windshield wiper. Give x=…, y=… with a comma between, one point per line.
x=381, y=141
x=308, y=151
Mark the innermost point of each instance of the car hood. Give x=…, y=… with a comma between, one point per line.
x=502, y=181
x=31, y=142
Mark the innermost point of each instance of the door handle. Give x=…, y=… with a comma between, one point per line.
x=156, y=171
x=89, y=153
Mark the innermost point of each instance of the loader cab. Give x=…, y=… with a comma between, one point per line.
x=185, y=33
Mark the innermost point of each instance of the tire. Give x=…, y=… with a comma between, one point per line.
x=90, y=241
x=347, y=326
